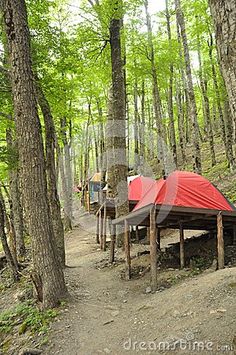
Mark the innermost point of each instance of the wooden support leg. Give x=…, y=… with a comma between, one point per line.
x=158, y=241
x=153, y=250
x=105, y=229
x=234, y=234
x=113, y=242
x=127, y=252
x=100, y=227
x=148, y=234
x=101, y=232
x=181, y=250
x=220, y=242
x=97, y=230
x=136, y=234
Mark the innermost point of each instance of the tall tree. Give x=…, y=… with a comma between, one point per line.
x=47, y=272
x=9, y=256
x=15, y=193
x=206, y=102
x=170, y=92
x=156, y=93
x=224, y=16
x=119, y=166
x=197, y=165
x=50, y=145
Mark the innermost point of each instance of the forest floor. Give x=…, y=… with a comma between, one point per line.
x=108, y=315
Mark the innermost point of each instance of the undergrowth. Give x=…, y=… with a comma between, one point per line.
x=27, y=317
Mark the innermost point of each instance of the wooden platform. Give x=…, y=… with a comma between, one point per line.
x=158, y=217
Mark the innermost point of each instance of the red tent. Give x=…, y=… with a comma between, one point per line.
x=185, y=189
x=139, y=187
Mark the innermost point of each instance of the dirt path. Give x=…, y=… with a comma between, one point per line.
x=107, y=315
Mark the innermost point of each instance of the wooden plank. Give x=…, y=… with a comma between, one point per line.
x=181, y=248
x=113, y=242
x=153, y=249
x=104, y=245
x=220, y=242
x=127, y=252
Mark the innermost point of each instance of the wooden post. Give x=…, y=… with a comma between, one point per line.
x=158, y=239
x=100, y=226
x=148, y=234
x=88, y=201
x=105, y=228
x=181, y=249
x=97, y=230
x=127, y=252
x=153, y=249
x=220, y=242
x=136, y=234
x=113, y=242
x=101, y=232
x=234, y=234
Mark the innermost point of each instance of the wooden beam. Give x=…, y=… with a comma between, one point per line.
x=158, y=241
x=127, y=252
x=153, y=249
x=181, y=248
x=105, y=229
x=113, y=242
x=220, y=242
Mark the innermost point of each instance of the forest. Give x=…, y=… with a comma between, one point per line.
x=110, y=89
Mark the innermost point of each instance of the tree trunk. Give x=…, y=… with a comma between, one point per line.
x=229, y=134
x=10, y=259
x=53, y=197
x=68, y=182
x=197, y=166
x=136, y=128
x=156, y=95
x=119, y=167
x=222, y=116
x=15, y=194
x=224, y=15
x=206, y=106
x=66, y=202
x=142, y=130
x=47, y=275
x=170, y=94
x=180, y=114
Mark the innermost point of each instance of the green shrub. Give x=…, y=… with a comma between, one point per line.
x=28, y=317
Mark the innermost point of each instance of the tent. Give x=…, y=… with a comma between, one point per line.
x=185, y=189
x=139, y=186
x=129, y=180
x=183, y=200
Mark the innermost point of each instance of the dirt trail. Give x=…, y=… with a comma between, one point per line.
x=107, y=315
